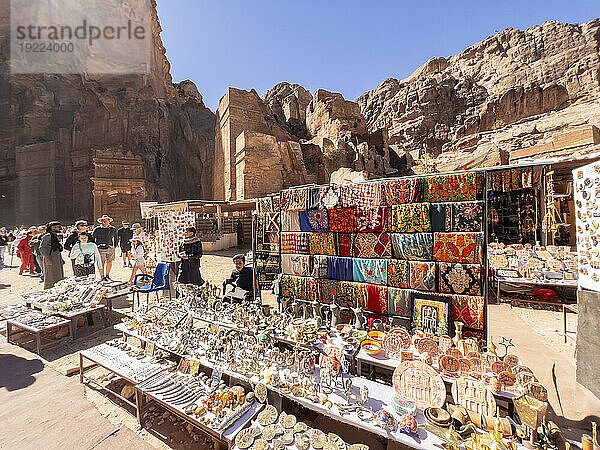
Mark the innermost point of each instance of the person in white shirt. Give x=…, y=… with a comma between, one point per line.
x=138, y=257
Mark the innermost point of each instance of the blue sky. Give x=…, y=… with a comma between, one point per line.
x=342, y=46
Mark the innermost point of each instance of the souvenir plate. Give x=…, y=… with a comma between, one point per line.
x=267, y=416
x=449, y=364
x=395, y=342
x=500, y=366
x=244, y=439
x=428, y=345
x=474, y=396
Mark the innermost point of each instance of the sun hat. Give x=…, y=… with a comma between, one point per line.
x=105, y=217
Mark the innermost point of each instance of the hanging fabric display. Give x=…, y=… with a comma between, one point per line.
x=342, y=220
x=377, y=298
x=372, y=245
x=313, y=197
x=351, y=294
x=458, y=247
x=410, y=218
x=296, y=265
x=372, y=271
x=264, y=205
x=402, y=191
x=414, y=246
x=466, y=216
x=399, y=301
x=312, y=289
x=319, y=266
x=316, y=220
x=321, y=244
x=456, y=278
x=398, y=274
x=339, y=268
x=506, y=180
x=452, y=187
x=294, y=199
x=469, y=310
x=293, y=286
x=343, y=243
x=361, y=195
x=422, y=275
x=294, y=243
x=329, y=196
x=329, y=290
x=440, y=216
x=290, y=220
x=371, y=219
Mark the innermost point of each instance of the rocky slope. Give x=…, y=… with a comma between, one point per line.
x=491, y=86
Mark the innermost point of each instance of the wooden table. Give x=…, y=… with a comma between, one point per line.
x=74, y=315
x=527, y=281
x=10, y=323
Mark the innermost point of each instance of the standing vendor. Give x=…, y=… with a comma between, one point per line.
x=190, y=252
x=51, y=249
x=124, y=236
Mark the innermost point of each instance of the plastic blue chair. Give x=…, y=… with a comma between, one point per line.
x=160, y=282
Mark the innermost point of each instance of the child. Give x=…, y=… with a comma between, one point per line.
x=85, y=254
x=137, y=255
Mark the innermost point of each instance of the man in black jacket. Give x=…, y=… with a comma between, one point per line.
x=81, y=226
x=124, y=236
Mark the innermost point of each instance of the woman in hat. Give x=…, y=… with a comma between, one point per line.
x=50, y=249
x=86, y=256
x=138, y=256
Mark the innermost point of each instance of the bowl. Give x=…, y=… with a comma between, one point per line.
x=377, y=335
x=359, y=335
x=371, y=347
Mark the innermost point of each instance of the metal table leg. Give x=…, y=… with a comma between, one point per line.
x=8, y=332
x=38, y=342
x=73, y=327
x=564, y=323
x=80, y=368
x=103, y=316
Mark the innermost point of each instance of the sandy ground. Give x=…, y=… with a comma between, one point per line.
x=536, y=334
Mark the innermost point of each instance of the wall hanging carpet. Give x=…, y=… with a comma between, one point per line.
x=329, y=196
x=372, y=271
x=316, y=220
x=466, y=216
x=294, y=243
x=264, y=205
x=294, y=199
x=402, y=191
x=296, y=265
x=339, y=268
x=293, y=286
x=451, y=188
x=422, y=275
x=371, y=219
x=290, y=221
x=457, y=278
x=441, y=216
x=410, y=218
x=376, y=298
x=321, y=244
x=312, y=289
x=414, y=246
x=399, y=301
x=372, y=245
x=458, y=247
x=343, y=242
x=469, y=310
x=319, y=266
x=329, y=290
x=342, y=220
x=361, y=194
x=398, y=273
x=351, y=294
x=313, y=197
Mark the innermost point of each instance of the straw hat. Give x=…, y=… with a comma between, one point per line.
x=104, y=217
x=135, y=226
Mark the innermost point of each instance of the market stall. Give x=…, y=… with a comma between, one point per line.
x=265, y=241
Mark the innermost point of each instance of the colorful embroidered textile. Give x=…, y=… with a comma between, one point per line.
x=372, y=271
x=456, y=278
x=440, y=214
x=319, y=266
x=290, y=221
x=407, y=190
x=329, y=290
x=294, y=243
x=342, y=220
x=361, y=194
x=422, y=275
x=377, y=298
x=372, y=245
x=264, y=205
x=469, y=310
x=314, y=220
x=329, y=196
x=294, y=199
x=371, y=219
x=351, y=294
x=413, y=246
x=398, y=275
x=296, y=265
x=313, y=197
x=451, y=188
x=312, y=289
x=458, y=247
x=343, y=243
x=339, y=268
x=466, y=216
x=293, y=286
x=399, y=301
x=321, y=244
x=410, y=218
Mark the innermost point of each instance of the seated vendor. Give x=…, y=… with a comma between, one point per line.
x=242, y=277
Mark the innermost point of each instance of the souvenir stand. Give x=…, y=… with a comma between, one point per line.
x=265, y=241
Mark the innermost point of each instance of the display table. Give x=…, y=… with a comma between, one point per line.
x=74, y=315
x=10, y=323
x=530, y=282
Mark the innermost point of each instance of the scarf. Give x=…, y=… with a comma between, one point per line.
x=55, y=245
x=191, y=240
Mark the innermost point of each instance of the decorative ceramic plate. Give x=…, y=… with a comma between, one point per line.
x=428, y=345
x=466, y=366
x=512, y=360
x=449, y=364
x=267, y=416
x=244, y=439
x=396, y=341
x=454, y=352
x=420, y=383
x=474, y=396
x=507, y=379
x=500, y=366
